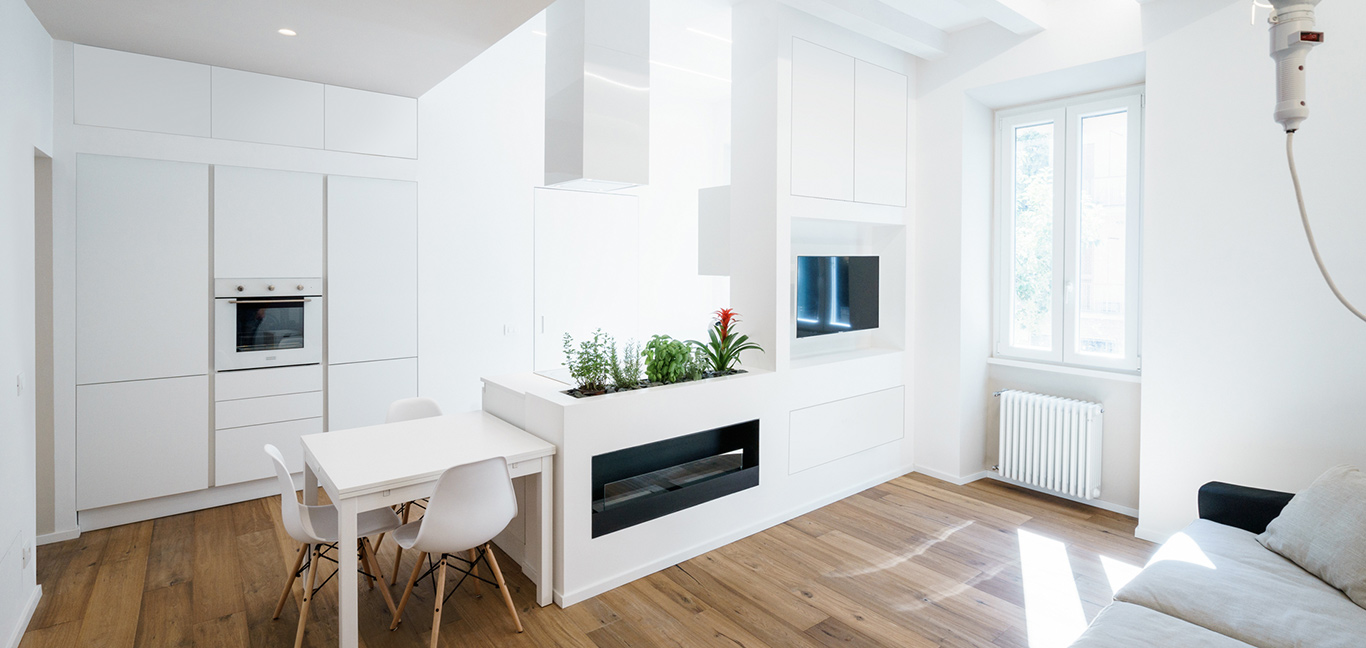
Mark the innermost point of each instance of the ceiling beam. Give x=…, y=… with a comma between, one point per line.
x=1024, y=17
x=879, y=22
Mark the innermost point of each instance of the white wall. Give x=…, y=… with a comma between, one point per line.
x=25, y=125
x=987, y=68
x=482, y=143
x=1252, y=371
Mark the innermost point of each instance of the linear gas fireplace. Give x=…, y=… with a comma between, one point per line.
x=639, y=484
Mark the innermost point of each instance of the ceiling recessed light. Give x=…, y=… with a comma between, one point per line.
x=289, y=32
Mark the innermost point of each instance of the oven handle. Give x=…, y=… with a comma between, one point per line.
x=298, y=300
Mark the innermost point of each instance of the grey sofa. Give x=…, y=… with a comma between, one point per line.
x=1215, y=585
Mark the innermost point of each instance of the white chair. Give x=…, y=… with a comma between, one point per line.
x=407, y=409
x=471, y=504
x=315, y=529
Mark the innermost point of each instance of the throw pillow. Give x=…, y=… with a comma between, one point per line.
x=1323, y=530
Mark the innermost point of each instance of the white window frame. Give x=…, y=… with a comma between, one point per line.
x=1067, y=115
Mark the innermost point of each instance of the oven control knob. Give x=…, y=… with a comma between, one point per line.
x=300, y=286
x=240, y=288
x=270, y=287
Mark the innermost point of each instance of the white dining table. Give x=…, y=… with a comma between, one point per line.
x=366, y=468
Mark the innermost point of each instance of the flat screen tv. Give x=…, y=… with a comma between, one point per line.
x=836, y=294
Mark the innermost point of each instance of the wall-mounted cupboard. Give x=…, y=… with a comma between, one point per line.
x=849, y=127
x=147, y=93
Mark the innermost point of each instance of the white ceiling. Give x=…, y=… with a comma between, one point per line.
x=402, y=47
x=945, y=15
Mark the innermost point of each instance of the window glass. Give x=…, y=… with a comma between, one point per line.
x=1101, y=244
x=1032, y=276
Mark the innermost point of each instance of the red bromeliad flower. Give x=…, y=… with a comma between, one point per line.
x=724, y=318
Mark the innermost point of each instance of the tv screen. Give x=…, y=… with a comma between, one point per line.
x=836, y=294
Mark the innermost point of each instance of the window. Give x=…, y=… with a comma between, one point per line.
x=1068, y=214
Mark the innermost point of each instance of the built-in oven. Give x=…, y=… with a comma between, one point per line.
x=267, y=323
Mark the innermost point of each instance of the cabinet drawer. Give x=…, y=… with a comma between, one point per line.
x=271, y=409
x=255, y=383
x=238, y=454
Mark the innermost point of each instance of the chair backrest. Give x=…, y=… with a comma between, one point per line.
x=295, y=513
x=407, y=409
x=472, y=503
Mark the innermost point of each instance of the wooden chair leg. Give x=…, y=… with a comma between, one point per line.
x=372, y=563
x=308, y=597
x=440, y=594
x=369, y=572
x=289, y=584
x=474, y=571
x=502, y=585
x=408, y=591
x=398, y=549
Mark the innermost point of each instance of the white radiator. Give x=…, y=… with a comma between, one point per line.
x=1051, y=442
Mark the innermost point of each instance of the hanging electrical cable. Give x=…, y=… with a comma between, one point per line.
x=1292, y=37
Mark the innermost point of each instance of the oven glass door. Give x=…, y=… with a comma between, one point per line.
x=270, y=324
x=253, y=332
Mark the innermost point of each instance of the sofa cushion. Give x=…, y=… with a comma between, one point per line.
x=1220, y=578
x=1124, y=625
x=1323, y=529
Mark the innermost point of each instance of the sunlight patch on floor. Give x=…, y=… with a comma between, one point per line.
x=1118, y=573
x=1053, y=613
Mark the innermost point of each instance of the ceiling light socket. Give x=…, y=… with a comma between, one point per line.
x=288, y=32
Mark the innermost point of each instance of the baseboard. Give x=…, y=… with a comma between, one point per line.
x=566, y=599
x=956, y=481
x=151, y=509
x=1100, y=504
x=17, y=635
x=58, y=536
x=1151, y=536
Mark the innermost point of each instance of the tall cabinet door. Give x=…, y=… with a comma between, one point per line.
x=142, y=269
x=371, y=269
x=822, y=122
x=880, y=112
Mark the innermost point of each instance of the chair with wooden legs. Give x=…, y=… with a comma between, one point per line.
x=472, y=503
x=407, y=409
x=315, y=529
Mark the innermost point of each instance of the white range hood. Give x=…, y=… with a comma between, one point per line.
x=597, y=83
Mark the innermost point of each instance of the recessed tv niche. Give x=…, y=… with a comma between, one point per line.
x=836, y=294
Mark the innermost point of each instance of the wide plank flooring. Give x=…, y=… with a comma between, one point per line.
x=912, y=562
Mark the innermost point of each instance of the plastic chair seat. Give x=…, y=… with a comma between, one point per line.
x=323, y=520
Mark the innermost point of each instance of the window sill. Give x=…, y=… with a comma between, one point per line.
x=1103, y=374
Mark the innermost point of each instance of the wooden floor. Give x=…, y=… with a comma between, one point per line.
x=913, y=562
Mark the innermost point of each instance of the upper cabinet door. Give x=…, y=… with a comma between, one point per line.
x=147, y=93
x=822, y=122
x=879, y=135
x=142, y=269
x=370, y=122
x=267, y=223
x=371, y=269
x=272, y=110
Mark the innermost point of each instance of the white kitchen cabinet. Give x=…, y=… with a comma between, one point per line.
x=369, y=122
x=359, y=394
x=147, y=93
x=822, y=122
x=142, y=269
x=267, y=223
x=371, y=269
x=238, y=454
x=142, y=439
x=252, y=107
x=880, y=105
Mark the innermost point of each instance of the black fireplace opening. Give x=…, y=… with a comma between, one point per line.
x=638, y=484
